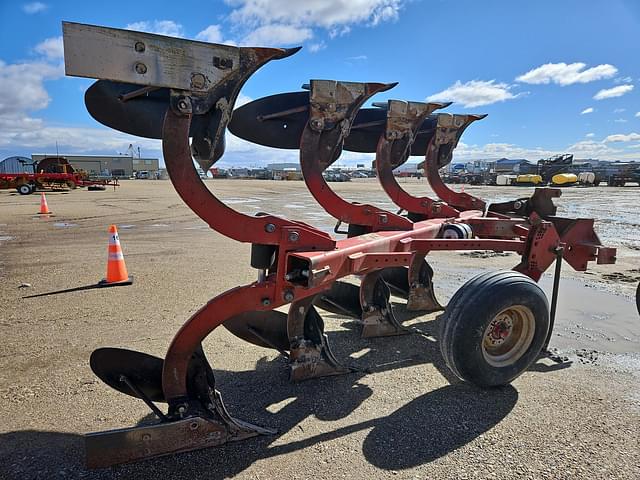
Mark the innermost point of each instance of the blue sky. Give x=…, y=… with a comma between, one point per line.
x=554, y=76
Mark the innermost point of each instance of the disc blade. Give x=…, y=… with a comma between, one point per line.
x=141, y=116
x=143, y=370
x=284, y=131
x=342, y=298
x=265, y=329
x=279, y=120
x=398, y=280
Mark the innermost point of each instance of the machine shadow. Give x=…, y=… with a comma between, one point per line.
x=424, y=429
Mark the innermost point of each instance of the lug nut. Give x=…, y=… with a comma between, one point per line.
x=269, y=228
x=266, y=302
x=294, y=236
x=139, y=47
x=288, y=296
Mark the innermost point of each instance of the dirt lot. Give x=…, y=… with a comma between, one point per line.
x=408, y=418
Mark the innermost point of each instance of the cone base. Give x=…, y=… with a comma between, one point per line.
x=104, y=283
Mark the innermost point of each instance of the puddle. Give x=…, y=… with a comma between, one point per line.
x=5, y=238
x=125, y=226
x=593, y=319
x=157, y=225
x=65, y=224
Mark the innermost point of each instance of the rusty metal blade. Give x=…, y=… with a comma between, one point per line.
x=342, y=298
x=265, y=329
x=143, y=370
x=278, y=121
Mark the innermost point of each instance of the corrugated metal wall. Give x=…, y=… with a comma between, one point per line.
x=13, y=165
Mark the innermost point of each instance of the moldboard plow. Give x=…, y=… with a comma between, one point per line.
x=494, y=327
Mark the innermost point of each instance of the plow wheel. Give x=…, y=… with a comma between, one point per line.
x=494, y=328
x=311, y=356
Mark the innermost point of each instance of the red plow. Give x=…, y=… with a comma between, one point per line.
x=494, y=327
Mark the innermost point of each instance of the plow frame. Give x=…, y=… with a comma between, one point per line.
x=295, y=261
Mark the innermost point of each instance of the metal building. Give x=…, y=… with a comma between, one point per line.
x=16, y=165
x=117, y=165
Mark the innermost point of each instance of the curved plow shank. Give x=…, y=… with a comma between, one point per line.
x=394, y=147
x=449, y=129
x=333, y=106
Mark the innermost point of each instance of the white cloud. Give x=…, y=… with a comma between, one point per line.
x=160, y=27
x=620, y=120
x=277, y=35
x=619, y=110
x=22, y=86
x=358, y=58
x=613, y=92
x=586, y=110
x=475, y=93
x=34, y=7
x=620, y=137
x=51, y=48
x=590, y=135
x=637, y=115
x=320, y=13
x=211, y=34
x=316, y=47
x=567, y=74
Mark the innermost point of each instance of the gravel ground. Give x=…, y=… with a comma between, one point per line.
x=407, y=418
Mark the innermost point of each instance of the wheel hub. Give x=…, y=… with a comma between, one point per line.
x=508, y=336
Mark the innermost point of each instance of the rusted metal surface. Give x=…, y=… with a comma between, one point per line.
x=439, y=153
x=403, y=121
x=333, y=106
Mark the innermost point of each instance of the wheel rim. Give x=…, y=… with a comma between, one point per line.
x=508, y=336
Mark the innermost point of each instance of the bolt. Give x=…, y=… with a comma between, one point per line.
x=384, y=219
x=141, y=68
x=183, y=105
x=181, y=409
x=193, y=425
x=294, y=236
x=269, y=228
x=139, y=46
x=288, y=296
x=266, y=302
x=146, y=437
x=197, y=80
x=317, y=124
x=517, y=204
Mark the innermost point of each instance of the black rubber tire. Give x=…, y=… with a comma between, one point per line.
x=638, y=298
x=472, y=309
x=25, y=189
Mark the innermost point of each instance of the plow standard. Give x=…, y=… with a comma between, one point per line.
x=494, y=327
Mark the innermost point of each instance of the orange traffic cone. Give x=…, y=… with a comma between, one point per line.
x=44, y=208
x=116, y=269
